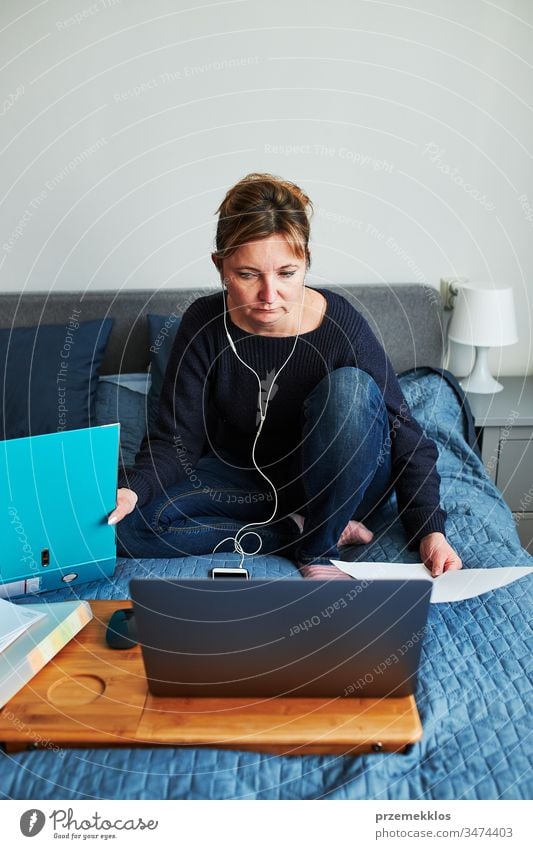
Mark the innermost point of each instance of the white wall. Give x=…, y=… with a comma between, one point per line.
x=409, y=125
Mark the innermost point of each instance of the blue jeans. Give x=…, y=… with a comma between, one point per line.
x=343, y=472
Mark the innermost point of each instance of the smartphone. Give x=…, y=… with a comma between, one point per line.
x=225, y=572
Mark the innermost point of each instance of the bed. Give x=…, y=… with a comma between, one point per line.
x=474, y=688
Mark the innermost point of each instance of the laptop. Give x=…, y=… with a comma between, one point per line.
x=56, y=491
x=265, y=638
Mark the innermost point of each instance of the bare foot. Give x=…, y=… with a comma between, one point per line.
x=355, y=532
x=322, y=572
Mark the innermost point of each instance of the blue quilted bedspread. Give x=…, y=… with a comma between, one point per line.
x=474, y=687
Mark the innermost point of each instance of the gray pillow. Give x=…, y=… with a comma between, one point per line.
x=123, y=398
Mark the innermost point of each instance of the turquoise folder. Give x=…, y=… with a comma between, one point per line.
x=56, y=491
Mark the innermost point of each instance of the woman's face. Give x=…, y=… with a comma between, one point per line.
x=265, y=283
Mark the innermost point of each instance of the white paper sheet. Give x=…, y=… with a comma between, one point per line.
x=14, y=620
x=451, y=586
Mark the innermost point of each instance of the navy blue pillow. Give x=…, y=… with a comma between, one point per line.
x=162, y=331
x=49, y=376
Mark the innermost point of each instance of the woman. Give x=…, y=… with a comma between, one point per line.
x=272, y=371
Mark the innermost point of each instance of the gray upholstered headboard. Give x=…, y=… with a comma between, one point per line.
x=407, y=318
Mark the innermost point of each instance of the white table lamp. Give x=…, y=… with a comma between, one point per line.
x=484, y=319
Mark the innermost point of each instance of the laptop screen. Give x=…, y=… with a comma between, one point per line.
x=280, y=637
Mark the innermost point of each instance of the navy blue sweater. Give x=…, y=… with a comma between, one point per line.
x=209, y=401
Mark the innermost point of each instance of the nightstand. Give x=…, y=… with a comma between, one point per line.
x=504, y=428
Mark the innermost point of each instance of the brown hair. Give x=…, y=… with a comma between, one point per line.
x=258, y=206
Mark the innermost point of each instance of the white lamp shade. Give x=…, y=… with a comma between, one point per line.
x=483, y=317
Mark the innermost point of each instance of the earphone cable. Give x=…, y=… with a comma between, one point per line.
x=242, y=532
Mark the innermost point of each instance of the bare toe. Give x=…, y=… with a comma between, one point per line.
x=354, y=533
x=322, y=572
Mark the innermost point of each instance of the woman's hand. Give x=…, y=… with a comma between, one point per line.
x=438, y=555
x=126, y=501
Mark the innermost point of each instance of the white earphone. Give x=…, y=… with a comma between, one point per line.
x=262, y=413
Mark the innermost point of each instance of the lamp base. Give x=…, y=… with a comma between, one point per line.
x=480, y=380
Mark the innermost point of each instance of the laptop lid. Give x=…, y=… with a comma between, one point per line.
x=280, y=637
x=56, y=491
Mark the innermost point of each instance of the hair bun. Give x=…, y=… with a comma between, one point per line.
x=258, y=206
x=279, y=183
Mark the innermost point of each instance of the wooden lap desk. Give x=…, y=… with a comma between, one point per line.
x=91, y=695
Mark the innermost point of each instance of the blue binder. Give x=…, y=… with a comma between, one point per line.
x=56, y=491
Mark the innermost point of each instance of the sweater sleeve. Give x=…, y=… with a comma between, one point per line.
x=413, y=456
x=176, y=441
